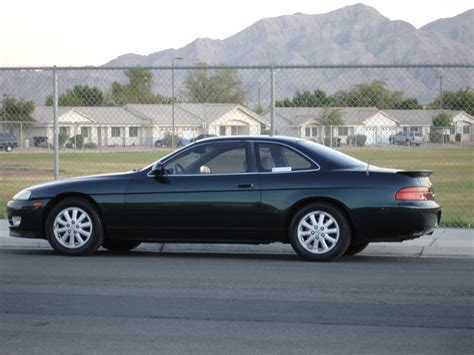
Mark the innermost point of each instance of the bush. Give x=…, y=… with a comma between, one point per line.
x=336, y=141
x=439, y=137
x=457, y=137
x=358, y=140
x=62, y=139
x=90, y=146
x=44, y=145
x=76, y=141
x=436, y=137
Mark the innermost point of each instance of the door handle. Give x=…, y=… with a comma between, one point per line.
x=246, y=186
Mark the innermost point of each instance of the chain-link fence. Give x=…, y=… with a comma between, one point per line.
x=64, y=122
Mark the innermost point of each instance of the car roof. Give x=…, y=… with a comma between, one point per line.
x=283, y=139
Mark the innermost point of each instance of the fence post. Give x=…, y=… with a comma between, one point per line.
x=21, y=135
x=272, y=104
x=55, y=123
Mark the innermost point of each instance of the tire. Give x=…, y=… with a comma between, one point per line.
x=356, y=248
x=86, y=236
x=8, y=148
x=120, y=245
x=313, y=243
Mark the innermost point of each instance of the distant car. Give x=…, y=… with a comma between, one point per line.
x=239, y=189
x=202, y=136
x=8, y=141
x=408, y=138
x=167, y=143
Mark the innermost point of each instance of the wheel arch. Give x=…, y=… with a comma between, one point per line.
x=306, y=201
x=67, y=195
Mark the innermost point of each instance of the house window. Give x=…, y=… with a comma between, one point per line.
x=311, y=131
x=133, y=131
x=115, y=131
x=466, y=130
x=453, y=129
x=222, y=130
x=64, y=131
x=234, y=130
x=85, y=132
x=343, y=131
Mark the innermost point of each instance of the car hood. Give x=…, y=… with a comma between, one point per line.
x=94, y=184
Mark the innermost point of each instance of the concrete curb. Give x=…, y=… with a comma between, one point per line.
x=445, y=242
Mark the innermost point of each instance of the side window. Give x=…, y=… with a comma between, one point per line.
x=212, y=158
x=274, y=156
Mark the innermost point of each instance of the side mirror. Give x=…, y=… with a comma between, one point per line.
x=158, y=169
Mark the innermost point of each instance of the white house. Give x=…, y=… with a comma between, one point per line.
x=190, y=120
x=376, y=124
x=142, y=124
x=106, y=126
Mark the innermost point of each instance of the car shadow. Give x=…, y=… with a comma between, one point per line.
x=203, y=255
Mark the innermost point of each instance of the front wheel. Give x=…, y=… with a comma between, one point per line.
x=320, y=232
x=120, y=245
x=74, y=227
x=8, y=148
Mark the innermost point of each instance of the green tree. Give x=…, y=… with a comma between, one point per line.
x=330, y=117
x=462, y=99
x=79, y=96
x=442, y=120
x=138, y=90
x=16, y=110
x=216, y=86
x=361, y=95
x=317, y=98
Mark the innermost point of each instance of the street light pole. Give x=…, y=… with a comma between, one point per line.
x=173, y=143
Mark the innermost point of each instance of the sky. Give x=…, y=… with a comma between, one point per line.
x=93, y=32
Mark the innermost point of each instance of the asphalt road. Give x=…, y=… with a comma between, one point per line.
x=218, y=303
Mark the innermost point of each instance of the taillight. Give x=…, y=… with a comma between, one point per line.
x=421, y=193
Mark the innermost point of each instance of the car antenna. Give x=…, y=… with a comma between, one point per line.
x=368, y=164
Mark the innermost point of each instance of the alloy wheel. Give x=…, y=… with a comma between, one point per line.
x=318, y=232
x=72, y=227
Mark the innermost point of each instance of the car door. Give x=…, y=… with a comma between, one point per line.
x=286, y=176
x=209, y=191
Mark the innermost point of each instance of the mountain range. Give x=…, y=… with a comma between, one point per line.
x=353, y=35
x=356, y=34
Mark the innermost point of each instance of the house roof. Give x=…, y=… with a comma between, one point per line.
x=187, y=114
x=299, y=115
x=357, y=115
x=99, y=115
x=420, y=117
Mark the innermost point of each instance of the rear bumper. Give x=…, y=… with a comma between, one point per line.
x=408, y=220
x=30, y=214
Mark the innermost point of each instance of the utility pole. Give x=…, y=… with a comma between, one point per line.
x=441, y=91
x=173, y=143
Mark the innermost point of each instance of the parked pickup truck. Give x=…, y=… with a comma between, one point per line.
x=8, y=141
x=408, y=138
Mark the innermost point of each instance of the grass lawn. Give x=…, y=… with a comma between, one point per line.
x=453, y=168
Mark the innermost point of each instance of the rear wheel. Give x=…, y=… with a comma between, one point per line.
x=320, y=232
x=120, y=245
x=74, y=227
x=356, y=248
x=8, y=148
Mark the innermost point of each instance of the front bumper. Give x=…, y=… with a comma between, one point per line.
x=31, y=214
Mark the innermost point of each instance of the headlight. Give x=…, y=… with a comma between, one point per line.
x=23, y=195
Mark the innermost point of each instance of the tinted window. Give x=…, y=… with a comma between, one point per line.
x=271, y=156
x=332, y=155
x=212, y=158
